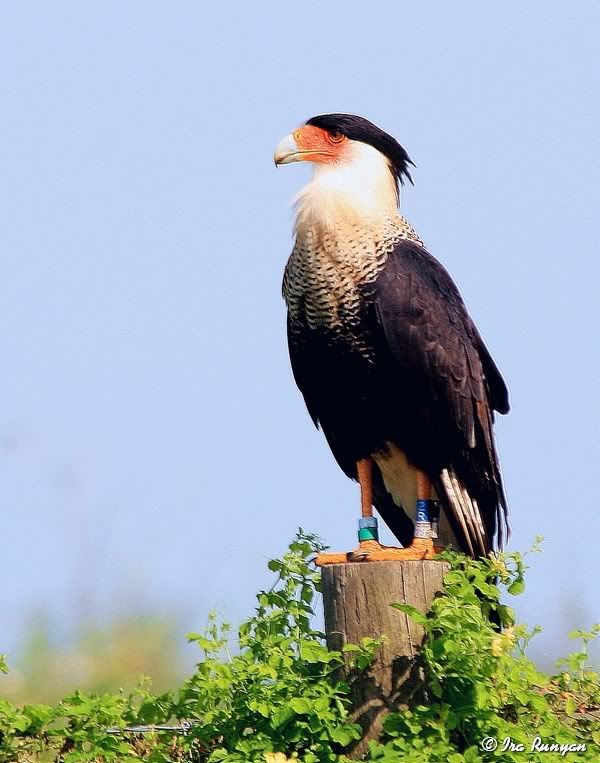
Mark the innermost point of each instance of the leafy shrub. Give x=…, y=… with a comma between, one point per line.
x=278, y=698
x=481, y=685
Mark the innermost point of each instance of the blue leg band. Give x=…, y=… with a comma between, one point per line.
x=427, y=518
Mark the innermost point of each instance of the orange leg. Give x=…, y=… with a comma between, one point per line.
x=364, y=472
x=372, y=550
x=366, y=548
x=423, y=486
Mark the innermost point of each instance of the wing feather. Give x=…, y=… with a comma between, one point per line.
x=440, y=356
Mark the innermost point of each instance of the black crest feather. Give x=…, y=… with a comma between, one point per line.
x=359, y=128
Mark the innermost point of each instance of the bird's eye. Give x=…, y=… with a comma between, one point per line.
x=336, y=137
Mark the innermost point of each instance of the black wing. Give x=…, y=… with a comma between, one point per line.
x=442, y=362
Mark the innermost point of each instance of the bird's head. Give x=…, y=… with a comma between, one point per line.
x=353, y=159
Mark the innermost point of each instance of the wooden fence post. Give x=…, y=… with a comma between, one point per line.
x=357, y=598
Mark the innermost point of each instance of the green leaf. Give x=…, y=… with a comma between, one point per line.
x=313, y=652
x=570, y=706
x=20, y=722
x=301, y=706
x=281, y=716
x=516, y=587
x=38, y=716
x=218, y=755
x=344, y=735
x=412, y=612
x=471, y=755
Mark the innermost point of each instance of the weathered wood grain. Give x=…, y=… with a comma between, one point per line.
x=357, y=599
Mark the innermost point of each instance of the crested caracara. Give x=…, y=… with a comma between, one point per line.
x=390, y=364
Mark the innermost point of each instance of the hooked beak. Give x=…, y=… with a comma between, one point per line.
x=287, y=151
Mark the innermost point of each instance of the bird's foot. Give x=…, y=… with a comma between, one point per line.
x=373, y=551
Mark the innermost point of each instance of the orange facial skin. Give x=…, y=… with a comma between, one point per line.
x=324, y=147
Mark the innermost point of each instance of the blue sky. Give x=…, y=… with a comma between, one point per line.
x=154, y=451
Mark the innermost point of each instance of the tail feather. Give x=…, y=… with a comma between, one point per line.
x=466, y=512
x=456, y=508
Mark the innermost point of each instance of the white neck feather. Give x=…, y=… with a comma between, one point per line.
x=359, y=188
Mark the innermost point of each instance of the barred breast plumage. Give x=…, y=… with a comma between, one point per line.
x=328, y=270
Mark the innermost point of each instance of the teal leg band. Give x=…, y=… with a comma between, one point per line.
x=367, y=529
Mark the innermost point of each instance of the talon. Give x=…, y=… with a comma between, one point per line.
x=365, y=550
x=372, y=551
x=369, y=548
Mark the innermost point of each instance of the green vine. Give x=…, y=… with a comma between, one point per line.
x=272, y=695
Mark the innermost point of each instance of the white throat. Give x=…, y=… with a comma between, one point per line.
x=361, y=187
